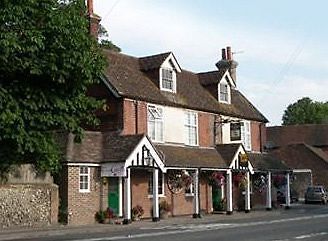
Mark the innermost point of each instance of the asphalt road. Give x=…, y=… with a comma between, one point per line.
x=301, y=223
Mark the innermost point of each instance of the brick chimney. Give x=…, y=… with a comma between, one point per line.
x=227, y=62
x=94, y=19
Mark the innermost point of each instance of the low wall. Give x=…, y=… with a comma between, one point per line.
x=28, y=205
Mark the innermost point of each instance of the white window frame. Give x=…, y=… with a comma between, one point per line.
x=158, y=120
x=150, y=184
x=246, y=136
x=174, y=79
x=87, y=175
x=225, y=82
x=188, y=126
x=191, y=193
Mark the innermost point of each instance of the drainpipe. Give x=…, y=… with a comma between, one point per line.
x=136, y=116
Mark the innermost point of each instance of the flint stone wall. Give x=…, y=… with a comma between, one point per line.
x=28, y=205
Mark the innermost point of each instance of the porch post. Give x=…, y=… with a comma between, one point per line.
x=127, y=197
x=229, y=192
x=287, y=194
x=268, y=193
x=120, y=197
x=196, y=194
x=155, y=196
x=248, y=194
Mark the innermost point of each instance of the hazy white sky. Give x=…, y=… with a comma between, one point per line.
x=281, y=46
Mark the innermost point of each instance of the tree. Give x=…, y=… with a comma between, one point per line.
x=306, y=111
x=47, y=61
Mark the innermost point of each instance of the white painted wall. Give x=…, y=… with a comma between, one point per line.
x=174, y=125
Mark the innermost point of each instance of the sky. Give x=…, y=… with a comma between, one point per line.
x=281, y=46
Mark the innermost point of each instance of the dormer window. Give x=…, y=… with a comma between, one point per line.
x=224, y=94
x=224, y=88
x=167, y=79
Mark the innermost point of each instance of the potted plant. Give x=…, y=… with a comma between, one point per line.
x=137, y=212
x=164, y=208
x=100, y=216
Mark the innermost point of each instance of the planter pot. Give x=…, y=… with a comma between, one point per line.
x=164, y=215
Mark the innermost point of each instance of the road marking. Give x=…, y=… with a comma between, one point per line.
x=304, y=236
x=311, y=235
x=191, y=228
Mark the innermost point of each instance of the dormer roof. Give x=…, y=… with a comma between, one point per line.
x=156, y=61
x=215, y=77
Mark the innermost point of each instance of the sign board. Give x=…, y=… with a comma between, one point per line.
x=243, y=160
x=113, y=170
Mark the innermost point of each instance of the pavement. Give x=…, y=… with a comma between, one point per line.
x=59, y=230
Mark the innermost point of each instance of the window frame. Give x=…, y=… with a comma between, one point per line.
x=157, y=122
x=82, y=174
x=240, y=124
x=162, y=80
x=161, y=178
x=188, y=126
x=246, y=135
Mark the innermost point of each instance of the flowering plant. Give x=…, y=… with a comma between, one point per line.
x=240, y=180
x=178, y=180
x=216, y=179
x=137, y=212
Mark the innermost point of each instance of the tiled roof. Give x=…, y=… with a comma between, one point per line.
x=153, y=62
x=302, y=156
x=180, y=156
x=266, y=162
x=227, y=151
x=211, y=77
x=314, y=135
x=117, y=148
x=125, y=75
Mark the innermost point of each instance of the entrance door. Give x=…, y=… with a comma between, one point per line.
x=216, y=198
x=113, y=195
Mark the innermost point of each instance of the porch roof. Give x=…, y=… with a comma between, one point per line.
x=267, y=162
x=117, y=148
x=190, y=157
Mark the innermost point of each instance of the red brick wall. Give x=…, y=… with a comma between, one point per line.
x=82, y=207
x=180, y=203
x=205, y=129
x=129, y=117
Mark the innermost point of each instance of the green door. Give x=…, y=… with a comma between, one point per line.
x=113, y=195
x=216, y=198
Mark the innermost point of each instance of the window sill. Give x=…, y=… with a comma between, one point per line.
x=159, y=195
x=189, y=194
x=84, y=191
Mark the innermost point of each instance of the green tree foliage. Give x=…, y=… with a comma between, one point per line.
x=306, y=111
x=47, y=61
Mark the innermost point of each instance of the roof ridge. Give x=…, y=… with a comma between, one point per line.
x=155, y=55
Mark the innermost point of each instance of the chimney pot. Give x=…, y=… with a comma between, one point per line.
x=224, y=55
x=90, y=7
x=229, y=54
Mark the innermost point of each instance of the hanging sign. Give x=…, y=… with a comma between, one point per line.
x=243, y=160
x=112, y=170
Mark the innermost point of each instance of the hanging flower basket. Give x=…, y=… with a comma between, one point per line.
x=216, y=179
x=279, y=180
x=240, y=180
x=178, y=180
x=260, y=182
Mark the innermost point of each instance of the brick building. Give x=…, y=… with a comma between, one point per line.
x=167, y=134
